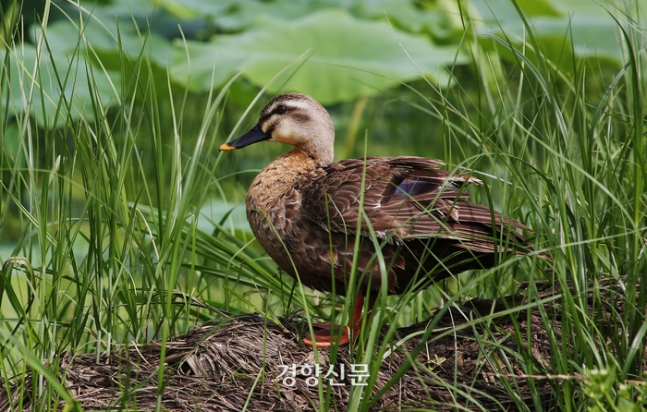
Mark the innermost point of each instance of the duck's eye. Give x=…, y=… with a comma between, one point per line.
x=281, y=109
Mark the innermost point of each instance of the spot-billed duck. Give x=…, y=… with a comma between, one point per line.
x=305, y=211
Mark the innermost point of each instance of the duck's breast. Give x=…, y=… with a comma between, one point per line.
x=277, y=218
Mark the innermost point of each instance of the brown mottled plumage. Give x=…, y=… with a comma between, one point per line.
x=301, y=204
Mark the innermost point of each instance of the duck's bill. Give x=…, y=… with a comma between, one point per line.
x=254, y=135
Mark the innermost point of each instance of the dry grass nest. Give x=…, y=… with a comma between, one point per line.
x=237, y=364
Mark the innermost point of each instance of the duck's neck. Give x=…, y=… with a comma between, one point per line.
x=310, y=156
x=281, y=176
x=320, y=146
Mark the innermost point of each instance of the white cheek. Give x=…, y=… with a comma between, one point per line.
x=286, y=132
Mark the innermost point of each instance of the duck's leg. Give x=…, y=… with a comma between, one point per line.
x=322, y=331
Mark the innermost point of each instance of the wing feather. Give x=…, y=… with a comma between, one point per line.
x=405, y=197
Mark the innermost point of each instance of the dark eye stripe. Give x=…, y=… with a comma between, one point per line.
x=278, y=109
x=264, y=117
x=282, y=109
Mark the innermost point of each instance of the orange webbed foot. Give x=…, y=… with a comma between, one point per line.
x=324, y=335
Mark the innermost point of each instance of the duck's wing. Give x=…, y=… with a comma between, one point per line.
x=404, y=198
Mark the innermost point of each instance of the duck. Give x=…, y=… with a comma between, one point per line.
x=320, y=220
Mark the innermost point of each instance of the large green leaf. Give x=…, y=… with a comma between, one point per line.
x=350, y=57
x=55, y=86
x=102, y=43
x=237, y=15
x=111, y=39
x=583, y=27
x=440, y=18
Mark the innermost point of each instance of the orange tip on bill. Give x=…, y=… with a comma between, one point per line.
x=225, y=147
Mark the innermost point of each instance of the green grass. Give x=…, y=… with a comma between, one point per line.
x=108, y=246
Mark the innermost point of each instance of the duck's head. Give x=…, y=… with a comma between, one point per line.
x=294, y=119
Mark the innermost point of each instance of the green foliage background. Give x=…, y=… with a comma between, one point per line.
x=121, y=222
